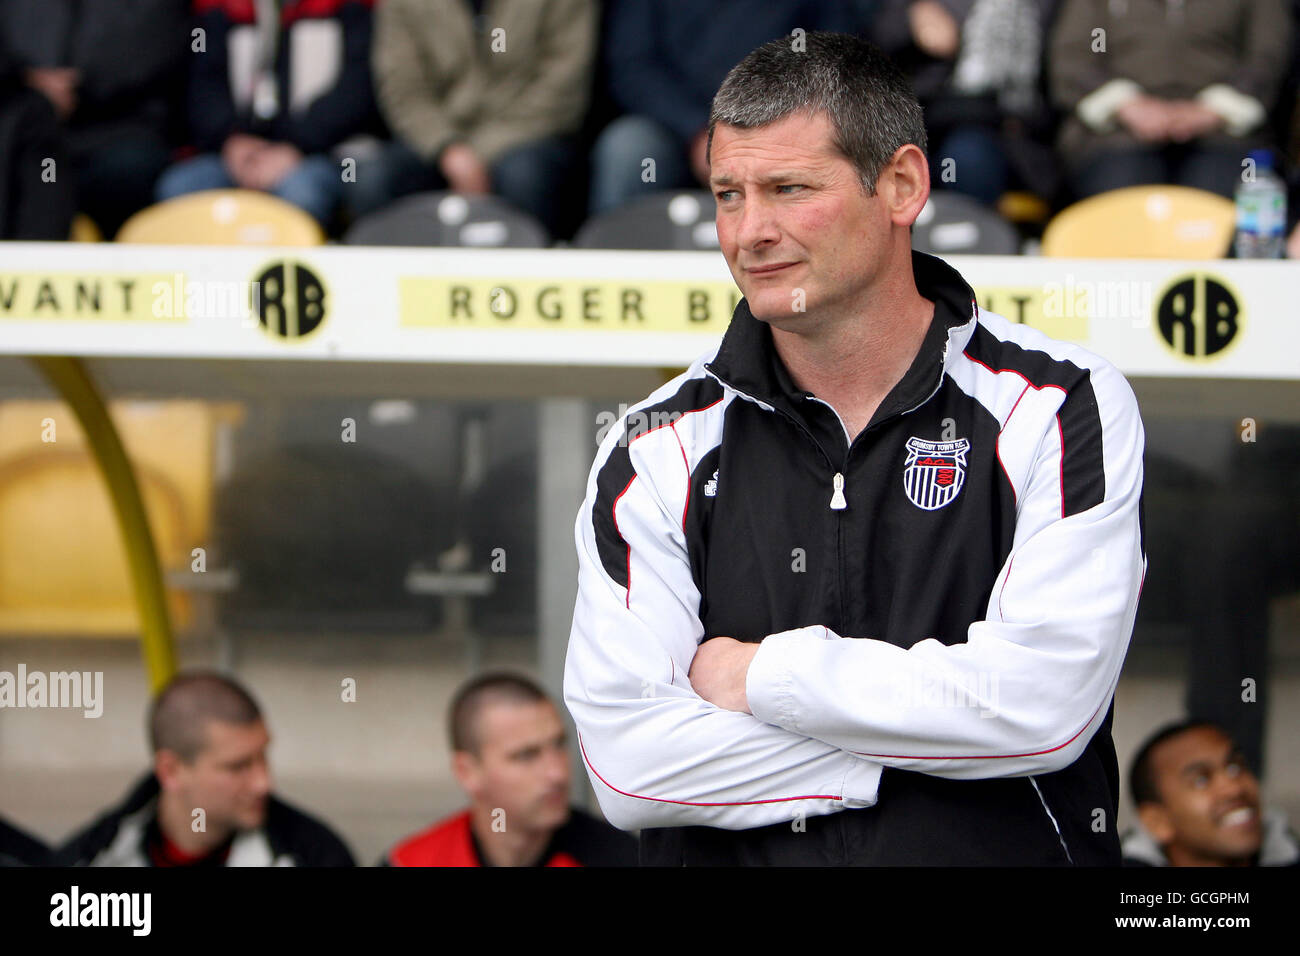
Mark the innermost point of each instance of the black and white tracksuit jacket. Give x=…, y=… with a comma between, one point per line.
x=944, y=604
x=289, y=837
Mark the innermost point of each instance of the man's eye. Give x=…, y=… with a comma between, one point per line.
x=790, y=186
x=1200, y=780
x=723, y=194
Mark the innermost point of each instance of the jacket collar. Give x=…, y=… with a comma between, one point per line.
x=133, y=815
x=747, y=360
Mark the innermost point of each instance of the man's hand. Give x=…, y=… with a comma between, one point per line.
x=1190, y=120
x=464, y=170
x=237, y=154
x=270, y=164
x=699, y=156
x=718, y=672
x=934, y=30
x=58, y=85
x=1147, y=117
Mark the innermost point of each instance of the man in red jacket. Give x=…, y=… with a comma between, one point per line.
x=509, y=756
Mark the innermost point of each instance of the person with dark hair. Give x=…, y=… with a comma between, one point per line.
x=509, y=756
x=862, y=592
x=20, y=849
x=1198, y=804
x=208, y=801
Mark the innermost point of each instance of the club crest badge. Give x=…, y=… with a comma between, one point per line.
x=934, y=471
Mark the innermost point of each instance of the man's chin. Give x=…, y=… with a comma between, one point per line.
x=775, y=309
x=251, y=819
x=554, y=817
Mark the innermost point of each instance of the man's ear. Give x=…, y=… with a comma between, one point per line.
x=1155, y=820
x=464, y=765
x=167, y=766
x=904, y=184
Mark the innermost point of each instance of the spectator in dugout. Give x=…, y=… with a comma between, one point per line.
x=278, y=93
x=110, y=72
x=664, y=60
x=977, y=68
x=482, y=98
x=1166, y=91
x=509, y=756
x=1198, y=804
x=208, y=801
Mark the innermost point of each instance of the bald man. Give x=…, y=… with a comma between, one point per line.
x=509, y=756
x=208, y=801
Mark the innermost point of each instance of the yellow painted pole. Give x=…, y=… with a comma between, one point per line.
x=69, y=376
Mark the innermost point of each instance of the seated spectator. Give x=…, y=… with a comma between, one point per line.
x=108, y=71
x=19, y=849
x=976, y=67
x=1160, y=92
x=277, y=89
x=208, y=801
x=665, y=59
x=509, y=756
x=482, y=98
x=32, y=207
x=1198, y=804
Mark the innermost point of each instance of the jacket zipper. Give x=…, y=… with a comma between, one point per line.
x=838, y=502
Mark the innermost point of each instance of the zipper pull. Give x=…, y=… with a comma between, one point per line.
x=837, y=500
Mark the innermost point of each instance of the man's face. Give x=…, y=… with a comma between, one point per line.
x=1210, y=800
x=786, y=198
x=229, y=779
x=522, y=766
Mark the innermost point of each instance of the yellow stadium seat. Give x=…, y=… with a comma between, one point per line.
x=63, y=568
x=84, y=229
x=1143, y=222
x=223, y=217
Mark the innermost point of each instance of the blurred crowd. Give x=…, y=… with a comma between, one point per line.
x=570, y=108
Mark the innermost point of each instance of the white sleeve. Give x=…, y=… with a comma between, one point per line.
x=657, y=753
x=1033, y=680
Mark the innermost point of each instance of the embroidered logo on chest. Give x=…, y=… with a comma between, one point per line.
x=934, y=471
x=711, y=486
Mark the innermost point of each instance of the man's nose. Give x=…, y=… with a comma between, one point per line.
x=557, y=769
x=1233, y=786
x=757, y=224
x=260, y=781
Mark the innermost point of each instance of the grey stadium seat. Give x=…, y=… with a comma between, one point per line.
x=953, y=224
x=446, y=218
x=670, y=219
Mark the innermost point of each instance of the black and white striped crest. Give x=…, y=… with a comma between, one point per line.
x=934, y=471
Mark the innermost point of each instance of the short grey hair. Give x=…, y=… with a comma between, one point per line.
x=868, y=100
